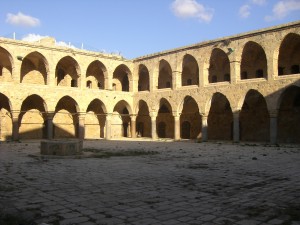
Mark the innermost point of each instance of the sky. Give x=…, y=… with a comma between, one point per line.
x=135, y=28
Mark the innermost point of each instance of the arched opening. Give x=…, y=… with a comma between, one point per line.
x=190, y=119
x=165, y=75
x=95, y=120
x=96, y=75
x=165, y=120
x=5, y=118
x=190, y=71
x=186, y=130
x=254, y=118
x=289, y=55
x=65, y=121
x=67, y=72
x=5, y=66
x=219, y=67
x=254, y=62
x=34, y=69
x=121, y=78
x=32, y=118
x=143, y=120
x=121, y=123
x=289, y=116
x=220, y=118
x=144, y=81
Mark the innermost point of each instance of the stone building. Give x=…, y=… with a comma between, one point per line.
x=241, y=88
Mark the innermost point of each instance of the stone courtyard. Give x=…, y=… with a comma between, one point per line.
x=211, y=183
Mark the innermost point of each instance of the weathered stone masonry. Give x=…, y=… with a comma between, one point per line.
x=240, y=88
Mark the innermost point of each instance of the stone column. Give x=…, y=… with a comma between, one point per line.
x=15, y=128
x=50, y=117
x=175, y=80
x=153, y=127
x=236, y=127
x=177, y=128
x=273, y=127
x=108, y=127
x=204, y=128
x=133, y=126
x=235, y=72
x=81, y=118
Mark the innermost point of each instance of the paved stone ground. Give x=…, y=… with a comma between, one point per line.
x=186, y=183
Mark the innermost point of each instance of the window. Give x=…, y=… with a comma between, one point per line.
x=139, y=88
x=227, y=77
x=168, y=84
x=73, y=83
x=189, y=82
x=100, y=85
x=89, y=84
x=244, y=75
x=259, y=73
x=294, y=69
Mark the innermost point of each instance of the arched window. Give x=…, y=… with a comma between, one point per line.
x=244, y=75
x=259, y=73
x=89, y=84
x=295, y=69
x=73, y=83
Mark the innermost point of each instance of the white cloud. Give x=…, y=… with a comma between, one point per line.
x=21, y=19
x=259, y=2
x=283, y=9
x=64, y=44
x=244, y=11
x=192, y=9
x=33, y=37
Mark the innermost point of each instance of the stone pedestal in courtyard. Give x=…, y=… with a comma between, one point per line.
x=61, y=147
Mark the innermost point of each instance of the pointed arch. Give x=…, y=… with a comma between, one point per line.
x=219, y=66
x=122, y=78
x=34, y=69
x=289, y=55
x=6, y=124
x=121, y=123
x=289, y=116
x=190, y=119
x=65, y=120
x=220, y=118
x=95, y=120
x=32, y=118
x=96, y=75
x=67, y=72
x=254, y=118
x=143, y=120
x=190, y=71
x=165, y=75
x=6, y=66
x=144, y=78
x=165, y=120
x=254, y=61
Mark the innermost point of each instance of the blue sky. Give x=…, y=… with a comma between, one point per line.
x=135, y=28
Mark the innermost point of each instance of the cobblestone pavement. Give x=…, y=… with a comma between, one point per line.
x=186, y=183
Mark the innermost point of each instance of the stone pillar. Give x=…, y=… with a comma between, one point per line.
x=177, y=128
x=236, y=127
x=50, y=117
x=133, y=126
x=153, y=127
x=204, y=128
x=235, y=72
x=81, y=118
x=15, y=128
x=176, y=81
x=272, y=70
x=273, y=128
x=108, y=127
